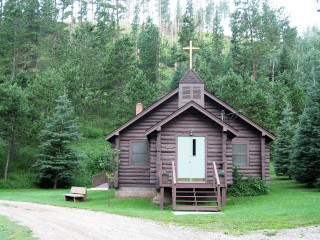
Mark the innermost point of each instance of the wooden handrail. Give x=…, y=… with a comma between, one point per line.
x=216, y=173
x=174, y=179
x=99, y=179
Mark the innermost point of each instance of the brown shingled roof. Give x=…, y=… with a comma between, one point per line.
x=191, y=77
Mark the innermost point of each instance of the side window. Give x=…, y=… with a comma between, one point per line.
x=139, y=152
x=240, y=154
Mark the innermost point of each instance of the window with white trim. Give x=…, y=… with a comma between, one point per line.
x=240, y=154
x=139, y=152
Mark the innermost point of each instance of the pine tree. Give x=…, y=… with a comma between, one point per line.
x=177, y=75
x=149, y=44
x=283, y=144
x=188, y=27
x=138, y=90
x=13, y=118
x=56, y=159
x=306, y=156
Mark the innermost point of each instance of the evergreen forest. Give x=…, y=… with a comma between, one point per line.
x=71, y=71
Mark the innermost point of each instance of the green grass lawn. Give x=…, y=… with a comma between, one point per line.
x=11, y=230
x=289, y=205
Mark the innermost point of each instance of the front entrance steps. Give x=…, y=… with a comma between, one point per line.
x=196, y=199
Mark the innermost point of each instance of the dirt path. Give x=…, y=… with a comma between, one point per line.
x=51, y=222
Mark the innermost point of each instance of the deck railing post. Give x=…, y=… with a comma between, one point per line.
x=225, y=169
x=160, y=175
x=219, y=198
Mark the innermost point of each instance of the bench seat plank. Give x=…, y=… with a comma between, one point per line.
x=74, y=195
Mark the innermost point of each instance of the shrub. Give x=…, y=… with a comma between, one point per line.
x=19, y=180
x=92, y=132
x=246, y=187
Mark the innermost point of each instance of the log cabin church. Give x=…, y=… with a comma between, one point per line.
x=197, y=139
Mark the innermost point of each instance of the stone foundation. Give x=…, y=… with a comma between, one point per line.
x=135, y=192
x=167, y=198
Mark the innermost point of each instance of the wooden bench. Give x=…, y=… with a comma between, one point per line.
x=77, y=194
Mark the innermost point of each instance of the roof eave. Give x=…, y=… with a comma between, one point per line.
x=243, y=117
x=138, y=116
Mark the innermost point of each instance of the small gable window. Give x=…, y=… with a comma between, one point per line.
x=139, y=152
x=240, y=154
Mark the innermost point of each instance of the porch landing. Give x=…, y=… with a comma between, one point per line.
x=103, y=186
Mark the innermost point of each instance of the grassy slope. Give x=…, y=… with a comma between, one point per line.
x=11, y=230
x=289, y=205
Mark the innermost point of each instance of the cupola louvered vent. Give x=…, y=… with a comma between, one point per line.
x=191, y=88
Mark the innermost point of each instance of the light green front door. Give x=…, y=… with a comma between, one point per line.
x=191, y=159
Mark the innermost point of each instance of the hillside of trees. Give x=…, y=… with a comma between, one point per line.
x=107, y=55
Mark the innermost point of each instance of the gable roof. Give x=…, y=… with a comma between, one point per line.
x=196, y=106
x=243, y=117
x=191, y=77
x=138, y=116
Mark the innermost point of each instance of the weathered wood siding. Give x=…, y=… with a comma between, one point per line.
x=135, y=175
x=267, y=153
x=162, y=145
x=249, y=134
x=200, y=126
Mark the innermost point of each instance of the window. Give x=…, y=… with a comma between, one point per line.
x=139, y=152
x=240, y=154
x=194, y=147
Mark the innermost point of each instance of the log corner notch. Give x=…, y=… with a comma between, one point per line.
x=263, y=155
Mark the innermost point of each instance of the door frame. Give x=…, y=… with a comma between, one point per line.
x=205, y=135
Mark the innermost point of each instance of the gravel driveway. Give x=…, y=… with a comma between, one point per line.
x=51, y=222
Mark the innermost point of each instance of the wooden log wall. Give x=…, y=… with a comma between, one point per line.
x=162, y=145
x=259, y=159
x=192, y=120
x=143, y=176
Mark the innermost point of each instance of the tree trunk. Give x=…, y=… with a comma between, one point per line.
x=160, y=20
x=172, y=36
x=53, y=49
x=92, y=14
x=81, y=12
x=98, y=115
x=55, y=181
x=128, y=15
x=14, y=52
x=252, y=49
x=10, y=150
x=1, y=10
x=37, y=63
x=71, y=24
x=84, y=120
x=117, y=14
x=273, y=72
